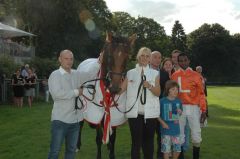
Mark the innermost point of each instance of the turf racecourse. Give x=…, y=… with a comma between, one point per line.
x=25, y=133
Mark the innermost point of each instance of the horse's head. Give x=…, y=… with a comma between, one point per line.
x=115, y=56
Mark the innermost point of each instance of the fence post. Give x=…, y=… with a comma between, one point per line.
x=4, y=91
x=37, y=88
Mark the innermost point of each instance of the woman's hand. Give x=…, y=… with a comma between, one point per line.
x=146, y=84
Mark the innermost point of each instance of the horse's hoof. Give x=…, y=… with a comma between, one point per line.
x=111, y=156
x=99, y=156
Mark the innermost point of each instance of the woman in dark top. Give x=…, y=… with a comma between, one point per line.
x=165, y=73
x=18, y=88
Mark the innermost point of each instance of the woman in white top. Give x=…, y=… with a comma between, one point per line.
x=142, y=106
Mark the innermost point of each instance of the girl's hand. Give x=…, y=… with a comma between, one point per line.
x=165, y=126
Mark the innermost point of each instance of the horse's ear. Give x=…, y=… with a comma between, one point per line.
x=109, y=36
x=132, y=39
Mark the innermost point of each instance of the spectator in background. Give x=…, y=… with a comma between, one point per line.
x=175, y=54
x=24, y=71
x=45, y=88
x=30, y=87
x=204, y=80
x=34, y=72
x=18, y=88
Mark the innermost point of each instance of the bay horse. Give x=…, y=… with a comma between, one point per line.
x=103, y=107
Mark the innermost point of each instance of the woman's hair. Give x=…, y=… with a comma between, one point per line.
x=170, y=84
x=165, y=60
x=141, y=51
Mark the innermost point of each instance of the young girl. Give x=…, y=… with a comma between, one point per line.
x=171, y=109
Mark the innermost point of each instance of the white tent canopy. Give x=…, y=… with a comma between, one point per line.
x=7, y=31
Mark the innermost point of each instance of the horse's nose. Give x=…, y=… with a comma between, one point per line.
x=114, y=89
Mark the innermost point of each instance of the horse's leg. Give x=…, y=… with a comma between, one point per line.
x=99, y=141
x=98, y=138
x=111, y=144
x=79, y=143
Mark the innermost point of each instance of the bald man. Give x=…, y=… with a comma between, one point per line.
x=155, y=61
x=64, y=86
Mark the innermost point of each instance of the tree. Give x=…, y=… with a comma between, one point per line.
x=210, y=46
x=58, y=24
x=7, y=65
x=7, y=11
x=236, y=55
x=178, y=37
x=123, y=23
x=151, y=34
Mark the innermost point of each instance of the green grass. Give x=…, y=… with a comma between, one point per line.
x=25, y=133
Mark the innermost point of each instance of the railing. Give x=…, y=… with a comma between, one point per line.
x=7, y=91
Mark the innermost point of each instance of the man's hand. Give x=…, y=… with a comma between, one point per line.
x=203, y=117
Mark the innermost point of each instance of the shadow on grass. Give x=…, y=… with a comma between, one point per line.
x=222, y=116
x=221, y=136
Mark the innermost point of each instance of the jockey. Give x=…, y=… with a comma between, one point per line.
x=193, y=100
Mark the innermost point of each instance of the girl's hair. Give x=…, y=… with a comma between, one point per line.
x=170, y=84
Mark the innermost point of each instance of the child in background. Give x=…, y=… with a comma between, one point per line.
x=170, y=111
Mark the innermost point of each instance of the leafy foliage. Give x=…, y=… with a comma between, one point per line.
x=211, y=47
x=151, y=34
x=123, y=23
x=81, y=25
x=7, y=65
x=38, y=63
x=178, y=37
x=77, y=26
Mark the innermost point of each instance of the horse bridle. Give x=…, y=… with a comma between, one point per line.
x=107, y=81
x=90, y=86
x=109, y=72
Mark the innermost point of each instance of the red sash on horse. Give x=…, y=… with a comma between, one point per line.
x=107, y=101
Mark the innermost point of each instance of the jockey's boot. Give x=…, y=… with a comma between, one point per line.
x=196, y=151
x=181, y=156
